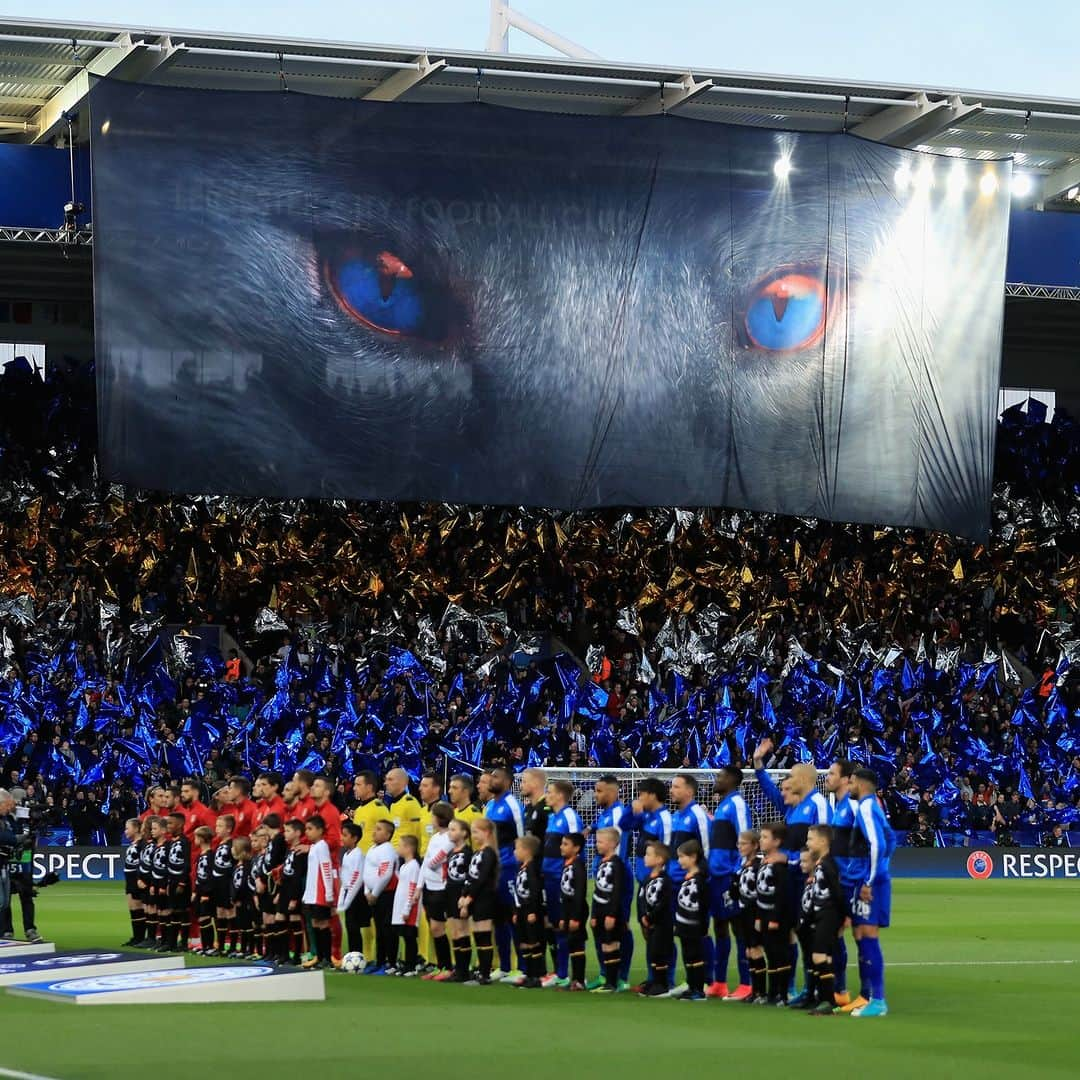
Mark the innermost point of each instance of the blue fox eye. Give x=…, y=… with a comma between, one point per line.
x=786, y=311
x=385, y=294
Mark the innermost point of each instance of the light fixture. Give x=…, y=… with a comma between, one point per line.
x=782, y=167
x=988, y=183
x=1021, y=185
x=1073, y=194
x=902, y=177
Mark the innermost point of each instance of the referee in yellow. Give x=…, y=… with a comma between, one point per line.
x=430, y=793
x=463, y=799
x=369, y=810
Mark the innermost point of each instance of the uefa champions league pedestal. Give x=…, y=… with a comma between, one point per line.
x=193, y=986
x=82, y=965
x=24, y=948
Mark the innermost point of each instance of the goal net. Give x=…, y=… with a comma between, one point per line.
x=584, y=781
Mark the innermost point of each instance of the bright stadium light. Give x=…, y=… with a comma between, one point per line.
x=924, y=178
x=1073, y=194
x=782, y=167
x=988, y=184
x=902, y=177
x=1021, y=185
x=957, y=178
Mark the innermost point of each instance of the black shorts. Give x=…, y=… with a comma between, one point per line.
x=159, y=893
x=221, y=890
x=265, y=903
x=435, y=905
x=179, y=895
x=606, y=937
x=746, y=931
x=451, y=896
x=484, y=907
x=318, y=911
x=825, y=933
x=131, y=886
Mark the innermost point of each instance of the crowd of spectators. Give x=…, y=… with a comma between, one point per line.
x=149, y=636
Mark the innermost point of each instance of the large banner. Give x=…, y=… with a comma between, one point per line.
x=301, y=296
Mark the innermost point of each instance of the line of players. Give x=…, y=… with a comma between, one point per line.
x=484, y=874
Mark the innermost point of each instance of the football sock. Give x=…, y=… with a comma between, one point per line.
x=484, y=951
x=577, y=965
x=758, y=976
x=367, y=935
x=206, y=932
x=875, y=967
x=840, y=965
x=708, y=958
x=442, y=953
x=562, y=955
x=462, y=955
x=826, y=983
x=612, y=963
x=864, y=968
x=793, y=965
x=722, y=956
x=504, y=936
x=743, y=962
x=138, y=925
x=626, y=952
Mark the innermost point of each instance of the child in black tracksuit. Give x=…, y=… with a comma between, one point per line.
x=692, y=918
x=655, y=914
x=744, y=894
x=609, y=893
x=774, y=911
x=529, y=910
x=573, y=894
x=828, y=909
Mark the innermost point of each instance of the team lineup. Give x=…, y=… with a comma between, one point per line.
x=456, y=888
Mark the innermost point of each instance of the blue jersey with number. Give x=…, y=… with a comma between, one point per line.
x=842, y=820
x=872, y=843
x=615, y=816
x=689, y=823
x=560, y=823
x=731, y=818
x=652, y=825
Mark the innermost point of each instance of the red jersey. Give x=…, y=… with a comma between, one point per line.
x=303, y=808
x=265, y=807
x=332, y=816
x=195, y=815
x=243, y=813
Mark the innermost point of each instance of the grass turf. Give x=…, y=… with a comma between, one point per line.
x=953, y=1012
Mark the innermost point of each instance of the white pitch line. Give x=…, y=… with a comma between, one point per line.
x=14, y=1074
x=978, y=963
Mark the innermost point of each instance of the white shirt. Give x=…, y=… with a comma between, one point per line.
x=407, y=895
x=352, y=878
x=380, y=866
x=433, y=871
x=321, y=885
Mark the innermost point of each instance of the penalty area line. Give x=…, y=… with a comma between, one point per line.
x=978, y=963
x=14, y=1074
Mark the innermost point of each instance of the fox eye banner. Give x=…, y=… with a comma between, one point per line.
x=302, y=296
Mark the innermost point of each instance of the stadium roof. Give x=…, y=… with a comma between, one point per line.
x=45, y=70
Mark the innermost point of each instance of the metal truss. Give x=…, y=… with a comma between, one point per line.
x=76, y=238
x=1042, y=292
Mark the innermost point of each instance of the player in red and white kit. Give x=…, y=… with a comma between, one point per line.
x=320, y=892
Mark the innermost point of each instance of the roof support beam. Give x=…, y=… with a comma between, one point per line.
x=392, y=87
x=503, y=17
x=123, y=59
x=663, y=102
x=1060, y=180
x=903, y=125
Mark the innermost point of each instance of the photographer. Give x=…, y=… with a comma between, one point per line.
x=17, y=874
x=8, y=842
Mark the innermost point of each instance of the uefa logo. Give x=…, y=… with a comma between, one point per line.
x=979, y=865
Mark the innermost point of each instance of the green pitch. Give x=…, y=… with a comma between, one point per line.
x=982, y=981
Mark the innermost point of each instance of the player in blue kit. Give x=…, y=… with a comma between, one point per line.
x=505, y=813
x=872, y=845
x=689, y=822
x=562, y=820
x=842, y=821
x=802, y=805
x=613, y=814
x=731, y=818
x=650, y=817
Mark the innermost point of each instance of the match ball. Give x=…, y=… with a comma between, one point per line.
x=353, y=963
